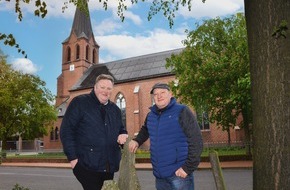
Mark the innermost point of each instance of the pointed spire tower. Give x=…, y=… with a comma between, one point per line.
x=79, y=52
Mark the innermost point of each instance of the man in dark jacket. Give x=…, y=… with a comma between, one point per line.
x=91, y=132
x=175, y=141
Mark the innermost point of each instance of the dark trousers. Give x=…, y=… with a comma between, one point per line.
x=91, y=180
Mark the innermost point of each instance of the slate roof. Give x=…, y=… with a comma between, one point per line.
x=81, y=24
x=130, y=69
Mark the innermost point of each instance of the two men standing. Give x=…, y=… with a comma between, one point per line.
x=92, y=131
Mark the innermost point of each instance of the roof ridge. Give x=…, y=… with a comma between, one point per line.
x=146, y=55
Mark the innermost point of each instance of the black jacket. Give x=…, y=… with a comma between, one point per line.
x=90, y=139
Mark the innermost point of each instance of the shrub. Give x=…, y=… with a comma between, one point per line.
x=17, y=187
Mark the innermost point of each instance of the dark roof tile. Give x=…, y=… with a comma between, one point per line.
x=130, y=69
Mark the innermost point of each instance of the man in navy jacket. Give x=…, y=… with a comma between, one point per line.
x=175, y=141
x=91, y=132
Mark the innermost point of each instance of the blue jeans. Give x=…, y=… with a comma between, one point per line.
x=175, y=183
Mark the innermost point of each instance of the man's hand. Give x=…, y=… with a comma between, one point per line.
x=122, y=138
x=133, y=146
x=180, y=173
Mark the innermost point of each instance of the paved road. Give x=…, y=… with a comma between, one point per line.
x=63, y=179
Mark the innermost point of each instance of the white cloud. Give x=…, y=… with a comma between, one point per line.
x=212, y=8
x=107, y=26
x=4, y=5
x=24, y=65
x=135, y=18
x=124, y=46
x=107, y=58
x=113, y=8
x=120, y=46
x=55, y=9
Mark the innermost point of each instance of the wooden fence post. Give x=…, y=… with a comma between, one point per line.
x=216, y=170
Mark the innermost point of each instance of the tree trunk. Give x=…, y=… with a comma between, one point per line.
x=4, y=144
x=248, y=143
x=270, y=77
x=246, y=125
x=229, y=136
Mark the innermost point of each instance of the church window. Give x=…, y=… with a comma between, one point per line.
x=94, y=56
x=56, y=133
x=77, y=51
x=87, y=52
x=68, y=54
x=121, y=103
x=203, y=120
x=136, y=89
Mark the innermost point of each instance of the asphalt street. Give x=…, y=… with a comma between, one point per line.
x=62, y=179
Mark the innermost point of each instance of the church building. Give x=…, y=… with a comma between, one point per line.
x=133, y=76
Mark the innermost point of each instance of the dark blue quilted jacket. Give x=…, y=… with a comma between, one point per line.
x=168, y=143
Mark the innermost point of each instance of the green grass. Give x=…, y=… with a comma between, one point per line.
x=142, y=154
x=223, y=151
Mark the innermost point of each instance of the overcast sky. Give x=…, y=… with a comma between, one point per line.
x=42, y=38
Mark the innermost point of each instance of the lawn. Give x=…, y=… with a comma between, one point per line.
x=223, y=151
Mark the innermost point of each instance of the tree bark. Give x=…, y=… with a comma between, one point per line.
x=247, y=129
x=229, y=136
x=270, y=77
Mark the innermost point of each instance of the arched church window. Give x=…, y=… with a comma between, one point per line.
x=94, y=56
x=87, y=52
x=77, y=51
x=68, y=54
x=56, y=133
x=121, y=103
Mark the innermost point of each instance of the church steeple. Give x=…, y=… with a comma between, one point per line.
x=82, y=23
x=79, y=50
